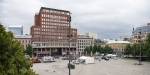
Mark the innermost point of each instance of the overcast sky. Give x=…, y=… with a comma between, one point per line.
x=107, y=18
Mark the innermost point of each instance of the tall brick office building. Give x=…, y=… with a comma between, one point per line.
x=50, y=34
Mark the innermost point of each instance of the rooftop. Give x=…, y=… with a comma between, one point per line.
x=54, y=9
x=115, y=41
x=16, y=26
x=22, y=36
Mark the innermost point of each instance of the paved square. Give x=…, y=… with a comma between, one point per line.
x=111, y=67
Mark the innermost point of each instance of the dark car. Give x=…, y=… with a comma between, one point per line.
x=105, y=58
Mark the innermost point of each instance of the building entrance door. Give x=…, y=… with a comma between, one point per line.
x=57, y=52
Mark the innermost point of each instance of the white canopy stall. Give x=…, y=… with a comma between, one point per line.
x=86, y=60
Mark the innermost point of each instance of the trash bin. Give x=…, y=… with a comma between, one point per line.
x=72, y=66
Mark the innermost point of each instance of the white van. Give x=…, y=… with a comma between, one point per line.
x=48, y=59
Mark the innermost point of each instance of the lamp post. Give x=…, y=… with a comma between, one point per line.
x=69, y=40
x=140, y=44
x=92, y=47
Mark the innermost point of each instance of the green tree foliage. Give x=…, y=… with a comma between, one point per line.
x=12, y=57
x=88, y=50
x=134, y=49
x=98, y=49
x=128, y=50
x=29, y=50
x=147, y=46
x=95, y=49
x=108, y=50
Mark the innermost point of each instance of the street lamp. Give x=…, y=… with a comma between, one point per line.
x=70, y=66
x=69, y=40
x=140, y=43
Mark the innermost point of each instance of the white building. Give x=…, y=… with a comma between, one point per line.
x=25, y=40
x=83, y=42
x=92, y=35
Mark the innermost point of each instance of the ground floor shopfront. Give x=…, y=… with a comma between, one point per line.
x=55, y=51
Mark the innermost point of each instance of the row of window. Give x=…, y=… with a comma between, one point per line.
x=55, y=44
x=54, y=16
x=53, y=32
x=84, y=41
x=81, y=50
x=48, y=31
x=82, y=47
x=54, y=11
x=47, y=40
x=54, y=27
x=48, y=26
x=25, y=41
x=37, y=29
x=54, y=20
x=54, y=37
x=84, y=44
x=36, y=32
x=64, y=23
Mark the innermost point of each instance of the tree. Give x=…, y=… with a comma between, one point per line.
x=88, y=50
x=128, y=50
x=12, y=57
x=143, y=46
x=95, y=49
x=147, y=46
x=107, y=49
x=29, y=50
x=100, y=49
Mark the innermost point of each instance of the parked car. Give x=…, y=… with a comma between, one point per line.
x=56, y=57
x=105, y=58
x=111, y=55
x=35, y=60
x=65, y=58
x=76, y=62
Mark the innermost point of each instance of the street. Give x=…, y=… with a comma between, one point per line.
x=111, y=67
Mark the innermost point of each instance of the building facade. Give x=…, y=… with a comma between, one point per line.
x=92, y=35
x=118, y=46
x=140, y=33
x=52, y=33
x=83, y=42
x=16, y=30
x=25, y=40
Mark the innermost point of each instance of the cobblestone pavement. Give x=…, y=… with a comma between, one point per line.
x=111, y=67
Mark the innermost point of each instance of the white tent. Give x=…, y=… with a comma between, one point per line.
x=86, y=60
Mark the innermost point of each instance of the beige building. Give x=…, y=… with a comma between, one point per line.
x=25, y=40
x=83, y=42
x=92, y=35
x=118, y=46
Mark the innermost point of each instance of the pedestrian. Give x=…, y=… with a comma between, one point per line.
x=99, y=59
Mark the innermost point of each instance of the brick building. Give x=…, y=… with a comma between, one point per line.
x=50, y=34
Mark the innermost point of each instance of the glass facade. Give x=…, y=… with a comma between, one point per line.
x=16, y=30
x=143, y=29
